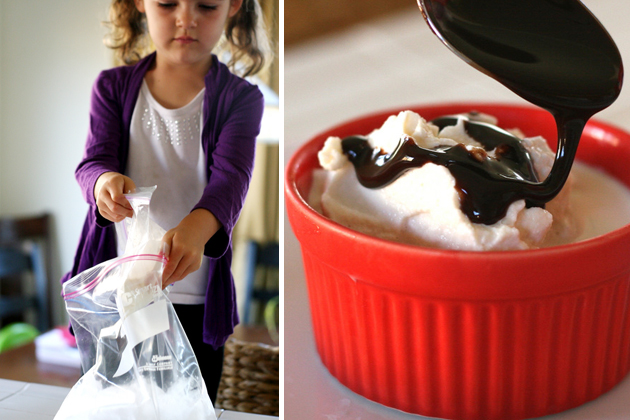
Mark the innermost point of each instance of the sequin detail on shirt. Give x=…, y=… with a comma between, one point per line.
x=172, y=131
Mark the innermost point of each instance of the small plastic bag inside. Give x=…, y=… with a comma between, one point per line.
x=137, y=360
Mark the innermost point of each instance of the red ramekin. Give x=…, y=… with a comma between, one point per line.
x=468, y=335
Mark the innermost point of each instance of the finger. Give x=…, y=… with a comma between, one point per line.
x=166, y=276
x=118, y=212
x=166, y=249
x=115, y=202
x=121, y=204
x=107, y=213
x=130, y=186
x=181, y=271
x=117, y=189
x=174, y=259
x=106, y=203
x=195, y=264
x=165, y=252
x=169, y=270
x=121, y=201
x=113, y=217
x=188, y=265
x=121, y=211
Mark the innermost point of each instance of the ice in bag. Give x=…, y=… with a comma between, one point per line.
x=137, y=360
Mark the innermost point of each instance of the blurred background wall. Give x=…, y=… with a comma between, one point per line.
x=50, y=55
x=304, y=19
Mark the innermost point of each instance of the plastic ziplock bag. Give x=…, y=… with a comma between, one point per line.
x=137, y=360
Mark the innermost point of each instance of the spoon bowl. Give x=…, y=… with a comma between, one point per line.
x=553, y=53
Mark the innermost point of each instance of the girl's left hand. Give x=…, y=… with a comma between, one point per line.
x=184, y=245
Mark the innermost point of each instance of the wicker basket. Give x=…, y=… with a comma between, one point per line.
x=250, y=380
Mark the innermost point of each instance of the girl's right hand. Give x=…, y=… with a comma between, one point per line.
x=109, y=193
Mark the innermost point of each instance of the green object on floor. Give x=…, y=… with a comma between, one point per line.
x=272, y=318
x=15, y=335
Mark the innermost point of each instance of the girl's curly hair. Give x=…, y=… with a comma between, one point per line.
x=244, y=45
x=128, y=35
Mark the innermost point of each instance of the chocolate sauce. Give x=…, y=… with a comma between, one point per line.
x=553, y=53
x=471, y=167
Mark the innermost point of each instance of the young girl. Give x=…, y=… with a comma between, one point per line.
x=179, y=119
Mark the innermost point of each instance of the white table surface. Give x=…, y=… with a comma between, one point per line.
x=390, y=63
x=27, y=401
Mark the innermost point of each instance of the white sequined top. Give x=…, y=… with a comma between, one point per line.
x=165, y=150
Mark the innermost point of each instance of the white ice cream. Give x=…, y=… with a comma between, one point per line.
x=423, y=207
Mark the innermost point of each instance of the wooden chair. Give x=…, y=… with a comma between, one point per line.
x=258, y=293
x=24, y=245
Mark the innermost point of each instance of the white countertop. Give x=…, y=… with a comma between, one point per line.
x=390, y=63
x=26, y=401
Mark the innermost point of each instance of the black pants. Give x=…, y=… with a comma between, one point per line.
x=210, y=360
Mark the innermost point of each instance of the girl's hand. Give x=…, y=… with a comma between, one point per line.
x=184, y=245
x=109, y=193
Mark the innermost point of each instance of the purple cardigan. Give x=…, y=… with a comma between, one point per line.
x=232, y=111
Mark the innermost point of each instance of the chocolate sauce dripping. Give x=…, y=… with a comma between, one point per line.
x=553, y=53
x=481, y=181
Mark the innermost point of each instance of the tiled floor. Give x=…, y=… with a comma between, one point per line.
x=23, y=401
